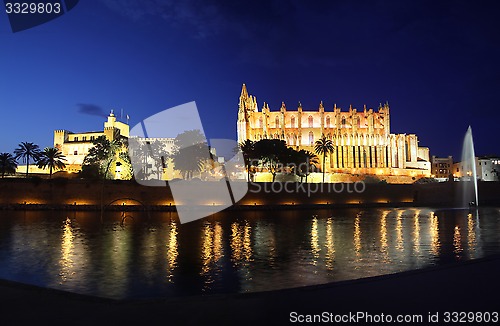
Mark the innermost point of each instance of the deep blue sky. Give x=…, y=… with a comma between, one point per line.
x=436, y=62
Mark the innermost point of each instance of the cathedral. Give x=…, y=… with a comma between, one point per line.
x=362, y=140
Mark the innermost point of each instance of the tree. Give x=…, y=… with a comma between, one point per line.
x=103, y=153
x=190, y=152
x=248, y=151
x=271, y=153
x=8, y=164
x=323, y=146
x=52, y=158
x=26, y=152
x=306, y=162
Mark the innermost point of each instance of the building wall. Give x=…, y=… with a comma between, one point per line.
x=75, y=146
x=489, y=168
x=441, y=167
x=362, y=139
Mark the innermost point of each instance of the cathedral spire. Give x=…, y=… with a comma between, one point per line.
x=244, y=92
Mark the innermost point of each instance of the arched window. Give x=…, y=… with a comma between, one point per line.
x=277, y=122
x=294, y=138
x=310, y=121
x=260, y=122
x=328, y=121
x=311, y=138
x=292, y=122
x=343, y=121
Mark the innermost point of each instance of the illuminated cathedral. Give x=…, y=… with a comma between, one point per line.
x=362, y=140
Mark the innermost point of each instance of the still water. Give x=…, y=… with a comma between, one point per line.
x=155, y=256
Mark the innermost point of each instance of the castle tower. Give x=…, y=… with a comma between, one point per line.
x=60, y=137
x=112, y=124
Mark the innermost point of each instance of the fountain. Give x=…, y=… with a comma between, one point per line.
x=469, y=187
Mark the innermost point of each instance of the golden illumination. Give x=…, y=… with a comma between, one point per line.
x=416, y=231
x=357, y=235
x=241, y=248
x=212, y=247
x=399, y=231
x=434, y=232
x=67, y=246
x=206, y=251
x=471, y=233
x=457, y=241
x=172, y=250
x=315, y=249
x=330, y=248
x=383, y=234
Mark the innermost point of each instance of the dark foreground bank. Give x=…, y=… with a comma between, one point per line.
x=466, y=287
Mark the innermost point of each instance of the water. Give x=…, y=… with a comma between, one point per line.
x=234, y=251
x=469, y=167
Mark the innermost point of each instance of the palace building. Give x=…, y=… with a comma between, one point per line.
x=75, y=146
x=363, y=142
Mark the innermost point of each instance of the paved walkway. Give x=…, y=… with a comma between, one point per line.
x=470, y=286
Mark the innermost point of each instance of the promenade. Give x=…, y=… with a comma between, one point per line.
x=470, y=286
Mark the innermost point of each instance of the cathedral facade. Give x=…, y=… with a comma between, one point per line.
x=362, y=140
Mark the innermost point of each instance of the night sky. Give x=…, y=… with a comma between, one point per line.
x=435, y=62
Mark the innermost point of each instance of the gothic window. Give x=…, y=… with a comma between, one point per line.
x=277, y=122
x=328, y=121
x=292, y=122
x=311, y=138
x=343, y=121
x=75, y=139
x=310, y=120
x=260, y=122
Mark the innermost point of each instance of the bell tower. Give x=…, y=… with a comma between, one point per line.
x=246, y=107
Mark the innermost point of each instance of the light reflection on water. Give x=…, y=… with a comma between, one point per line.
x=234, y=251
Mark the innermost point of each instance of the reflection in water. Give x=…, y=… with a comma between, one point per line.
x=399, y=231
x=227, y=253
x=383, y=235
x=330, y=248
x=66, y=261
x=457, y=242
x=241, y=248
x=434, y=231
x=315, y=249
x=172, y=251
x=357, y=235
x=471, y=233
x=212, y=251
x=416, y=232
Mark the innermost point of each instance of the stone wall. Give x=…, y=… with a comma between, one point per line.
x=84, y=192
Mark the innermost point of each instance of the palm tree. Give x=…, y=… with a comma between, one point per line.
x=8, y=163
x=323, y=146
x=27, y=151
x=306, y=160
x=53, y=158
